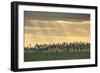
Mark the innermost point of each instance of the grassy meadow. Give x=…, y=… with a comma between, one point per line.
x=45, y=56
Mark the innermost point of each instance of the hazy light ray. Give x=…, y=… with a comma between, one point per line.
x=58, y=27
x=60, y=21
x=63, y=27
x=48, y=28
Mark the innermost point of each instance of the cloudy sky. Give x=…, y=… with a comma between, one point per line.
x=51, y=27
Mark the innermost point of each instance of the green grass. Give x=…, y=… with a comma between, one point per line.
x=44, y=56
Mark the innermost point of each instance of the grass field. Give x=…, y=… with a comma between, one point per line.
x=44, y=56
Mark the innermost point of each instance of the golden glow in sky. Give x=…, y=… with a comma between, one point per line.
x=46, y=27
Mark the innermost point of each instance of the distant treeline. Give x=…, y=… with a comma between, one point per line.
x=58, y=47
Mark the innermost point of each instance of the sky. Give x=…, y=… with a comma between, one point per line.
x=55, y=27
